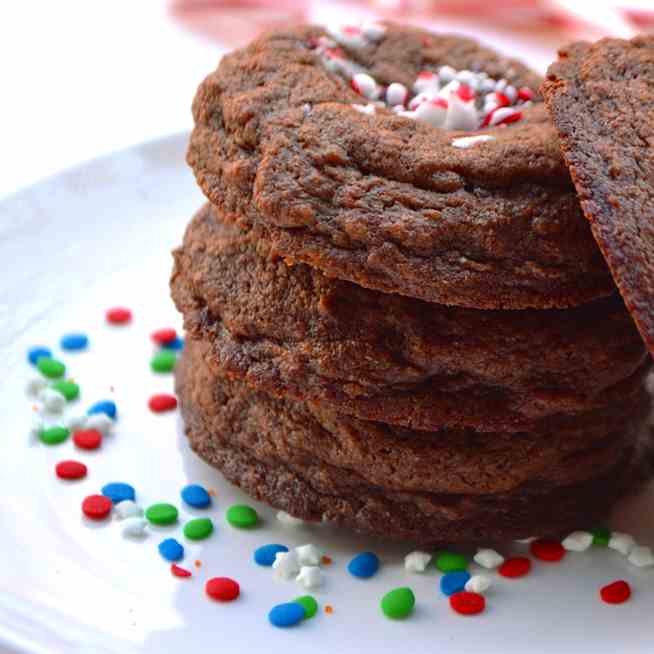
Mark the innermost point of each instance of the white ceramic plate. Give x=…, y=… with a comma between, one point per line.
x=100, y=235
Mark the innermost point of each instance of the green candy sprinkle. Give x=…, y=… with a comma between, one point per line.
x=198, y=529
x=242, y=516
x=54, y=435
x=161, y=514
x=51, y=367
x=310, y=605
x=451, y=562
x=601, y=536
x=163, y=361
x=398, y=603
x=68, y=389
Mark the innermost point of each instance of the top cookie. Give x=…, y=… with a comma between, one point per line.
x=300, y=135
x=601, y=99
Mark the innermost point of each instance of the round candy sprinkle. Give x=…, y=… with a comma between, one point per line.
x=398, y=603
x=222, y=589
x=363, y=565
x=616, y=592
x=162, y=402
x=601, y=536
x=70, y=470
x=176, y=344
x=516, y=567
x=54, y=435
x=163, y=361
x=467, y=603
x=74, y=342
x=265, y=555
x=161, y=514
x=196, y=496
x=96, y=507
x=70, y=390
x=35, y=353
x=454, y=582
x=88, y=439
x=242, y=516
x=308, y=602
x=108, y=407
x=198, y=529
x=171, y=550
x=547, y=550
x=287, y=615
x=451, y=561
x=118, y=316
x=163, y=336
x=179, y=572
x=50, y=367
x=118, y=491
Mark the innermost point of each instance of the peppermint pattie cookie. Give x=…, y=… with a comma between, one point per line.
x=601, y=99
x=401, y=160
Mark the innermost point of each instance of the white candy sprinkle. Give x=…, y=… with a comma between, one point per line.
x=478, y=584
x=373, y=31
x=348, y=35
x=446, y=74
x=469, y=141
x=622, y=543
x=365, y=85
x=127, y=509
x=511, y=93
x=577, y=541
x=308, y=554
x=100, y=421
x=365, y=108
x=460, y=114
x=35, y=386
x=488, y=558
x=286, y=565
x=396, y=93
x=641, y=556
x=426, y=81
x=289, y=520
x=432, y=112
x=500, y=85
x=53, y=400
x=310, y=576
x=501, y=115
x=134, y=527
x=417, y=561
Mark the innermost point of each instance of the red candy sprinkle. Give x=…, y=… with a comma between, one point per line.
x=547, y=550
x=88, y=439
x=162, y=402
x=439, y=102
x=425, y=74
x=70, y=470
x=525, y=94
x=222, y=589
x=511, y=118
x=163, y=336
x=516, y=567
x=465, y=93
x=118, y=316
x=616, y=593
x=179, y=572
x=96, y=507
x=467, y=603
x=502, y=100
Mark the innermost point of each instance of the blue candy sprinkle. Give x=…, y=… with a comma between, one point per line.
x=196, y=496
x=74, y=341
x=35, y=353
x=265, y=555
x=117, y=491
x=171, y=550
x=107, y=407
x=363, y=565
x=286, y=615
x=176, y=344
x=454, y=582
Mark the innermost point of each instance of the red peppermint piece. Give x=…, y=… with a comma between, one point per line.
x=355, y=86
x=162, y=402
x=179, y=572
x=502, y=100
x=511, y=118
x=547, y=550
x=465, y=93
x=616, y=593
x=118, y=316
x=426, y=74
x=222, y=589
x=467, y=603
x=96, y=507
x=88, y=439
x=525, y=94
x=439, y=102
x=70, y=470
x=163, y=336
x=516, y=567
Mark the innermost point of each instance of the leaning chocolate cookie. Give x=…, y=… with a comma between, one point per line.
x=401, y=160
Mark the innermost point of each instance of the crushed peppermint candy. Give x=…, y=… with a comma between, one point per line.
x=469, y=141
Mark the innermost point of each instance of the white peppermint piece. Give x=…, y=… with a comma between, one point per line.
x=469, y=141
x=309, y=554
x=622, y=543
x=289, y=520
x=35, y=386
x=487, y=85
x=366, y=86
x=134, y=527
x=488, y=558
x=446, y=74
x=100, y=421
x=286, y=565
x=478, y=584
x=641, y=556
x=577, y=541
x=396, y=93
x=431, y=112
x=501, y=114
x=417, y=561
x=310, y=576
x=53, y=401
x=511, y=93
x=350, y=36
x=127, y=509
x=501, y=85
x=460, y=114
x=75, y=423
x=427, y=82
x=365, y=108
x=373, y=31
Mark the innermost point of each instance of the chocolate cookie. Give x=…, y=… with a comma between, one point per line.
x=374, y=193
x=293, y=331
x=446, y=487
x=601, y=99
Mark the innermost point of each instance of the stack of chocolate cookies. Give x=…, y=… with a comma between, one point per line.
x=395, y=324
